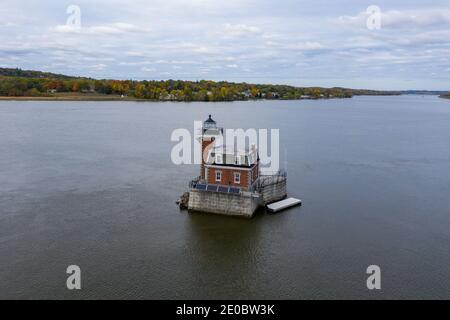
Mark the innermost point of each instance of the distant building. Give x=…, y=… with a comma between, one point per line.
x=274, y=95
x=246, y=94
x=91, y=89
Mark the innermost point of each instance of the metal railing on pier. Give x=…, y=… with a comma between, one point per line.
x=268, y=179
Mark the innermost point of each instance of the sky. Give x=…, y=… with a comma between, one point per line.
x=393, y=45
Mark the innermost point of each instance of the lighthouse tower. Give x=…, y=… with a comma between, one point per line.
x=210, y=132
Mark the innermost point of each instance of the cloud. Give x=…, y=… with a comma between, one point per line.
x=240, y=30
x=99, y=66
x=237, y=40
x=134, y=63
x=402, y=19
x=135, y=54
x=305, y=46
x=296, y=46
x=107, y=29
x=435, y=37
x=4, y=24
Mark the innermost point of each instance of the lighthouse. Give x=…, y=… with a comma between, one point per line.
x=230, y=182
x=227, y=166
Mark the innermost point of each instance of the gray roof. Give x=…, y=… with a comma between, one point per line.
x=210, y=120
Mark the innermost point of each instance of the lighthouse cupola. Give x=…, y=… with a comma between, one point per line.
x=209, y=124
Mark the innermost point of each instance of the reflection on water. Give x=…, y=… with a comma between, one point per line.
x=224, y=251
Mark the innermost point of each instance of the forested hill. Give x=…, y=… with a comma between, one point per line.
x=28, y=83
x=10, y=72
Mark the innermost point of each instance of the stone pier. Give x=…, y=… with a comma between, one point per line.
x=244, y=204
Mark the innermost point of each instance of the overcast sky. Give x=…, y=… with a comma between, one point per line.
x=305, y=43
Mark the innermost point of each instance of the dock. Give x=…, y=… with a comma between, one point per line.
x=283, y=204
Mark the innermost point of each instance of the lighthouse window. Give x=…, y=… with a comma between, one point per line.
x=237, y=177
x=218, y=176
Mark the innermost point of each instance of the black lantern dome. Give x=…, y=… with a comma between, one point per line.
x=209, y=123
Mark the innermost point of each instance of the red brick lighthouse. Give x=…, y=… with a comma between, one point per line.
x=225, y=166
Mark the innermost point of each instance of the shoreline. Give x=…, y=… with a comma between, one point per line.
x=119, y=98
x=70, y=98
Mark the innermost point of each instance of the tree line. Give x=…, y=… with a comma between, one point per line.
x=17, y=82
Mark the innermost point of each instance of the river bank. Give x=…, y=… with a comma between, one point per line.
x=72, y=97
x=112, y=97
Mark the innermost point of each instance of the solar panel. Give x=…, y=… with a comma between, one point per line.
x=211, y=188
x=223, y=189
x=235, y=190
x=200, y=186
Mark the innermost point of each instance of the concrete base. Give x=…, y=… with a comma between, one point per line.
x=243, y=205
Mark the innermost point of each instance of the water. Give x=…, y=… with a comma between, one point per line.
x=92, y=184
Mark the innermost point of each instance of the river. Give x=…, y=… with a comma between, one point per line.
x=92, y=184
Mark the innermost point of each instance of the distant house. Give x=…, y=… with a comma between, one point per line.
x=51, y=91
x=247, y=94
x=274, y=95
x=90, y=90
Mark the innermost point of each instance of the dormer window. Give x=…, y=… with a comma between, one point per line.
x=237, y=160
x=219, y=159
